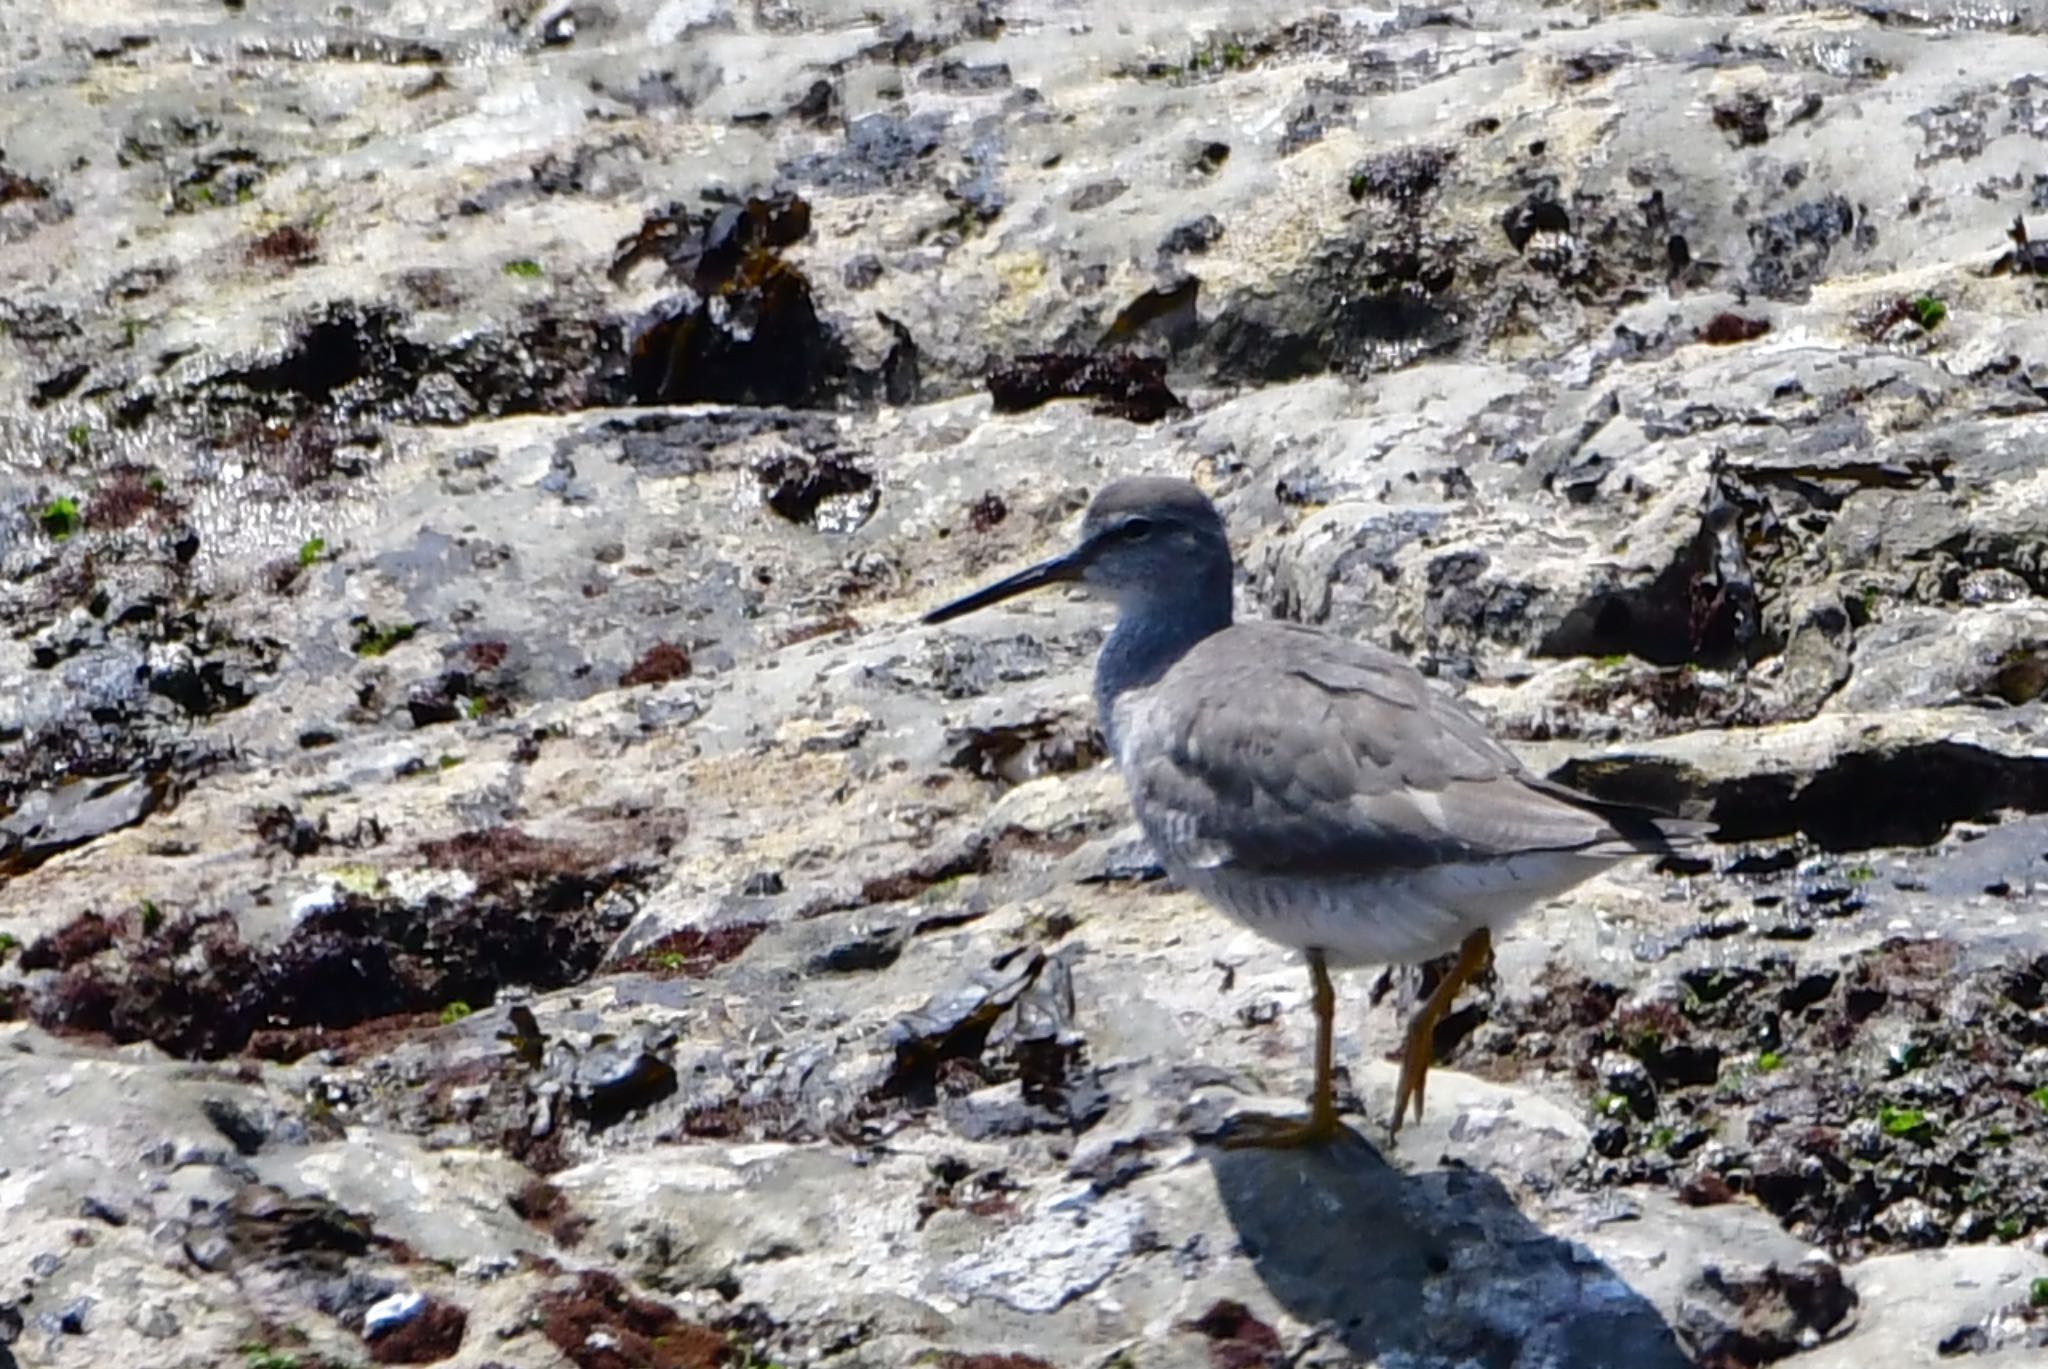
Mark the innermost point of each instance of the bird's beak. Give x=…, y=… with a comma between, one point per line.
x=1059, y=570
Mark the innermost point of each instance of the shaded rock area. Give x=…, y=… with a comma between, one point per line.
x=492, y=873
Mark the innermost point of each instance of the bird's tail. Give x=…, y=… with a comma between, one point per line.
x=1646, y=830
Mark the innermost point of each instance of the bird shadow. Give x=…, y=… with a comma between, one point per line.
x=1438, y=1267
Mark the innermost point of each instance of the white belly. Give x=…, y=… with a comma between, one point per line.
x=1399, y=917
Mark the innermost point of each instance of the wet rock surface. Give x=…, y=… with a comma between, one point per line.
x=491, y=872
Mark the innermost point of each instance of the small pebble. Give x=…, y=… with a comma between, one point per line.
x=211, y=1253
x=154, y=1321
x=487, y=1268
x=392, y=1312
x=99, y=1209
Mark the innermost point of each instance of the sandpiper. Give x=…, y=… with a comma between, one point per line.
x=1314, y=788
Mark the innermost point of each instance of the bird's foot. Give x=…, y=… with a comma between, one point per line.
x=1416, y=1054
x=1267, y=1131
x=1418, y=1048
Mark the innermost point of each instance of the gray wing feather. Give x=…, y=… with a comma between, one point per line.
x=1274, y=747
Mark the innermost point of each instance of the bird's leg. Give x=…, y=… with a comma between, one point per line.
x=1420, y=1047
x=1321, y=1125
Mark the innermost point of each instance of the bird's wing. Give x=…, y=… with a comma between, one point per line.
x=1274, y=747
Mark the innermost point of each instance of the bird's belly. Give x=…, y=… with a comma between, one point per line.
x=1397, y=917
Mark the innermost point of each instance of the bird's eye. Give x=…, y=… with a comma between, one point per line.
x=1131, y=529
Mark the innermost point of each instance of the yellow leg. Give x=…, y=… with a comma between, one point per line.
x=1321, y=1125
x=1419, y=1049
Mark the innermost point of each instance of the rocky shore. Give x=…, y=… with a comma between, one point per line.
x=493, y=873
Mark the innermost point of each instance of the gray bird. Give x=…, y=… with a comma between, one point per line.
x=1315, y=789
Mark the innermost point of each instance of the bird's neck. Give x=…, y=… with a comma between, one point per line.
x=1148, y=639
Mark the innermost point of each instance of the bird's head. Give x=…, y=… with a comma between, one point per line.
x=1147, y=537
